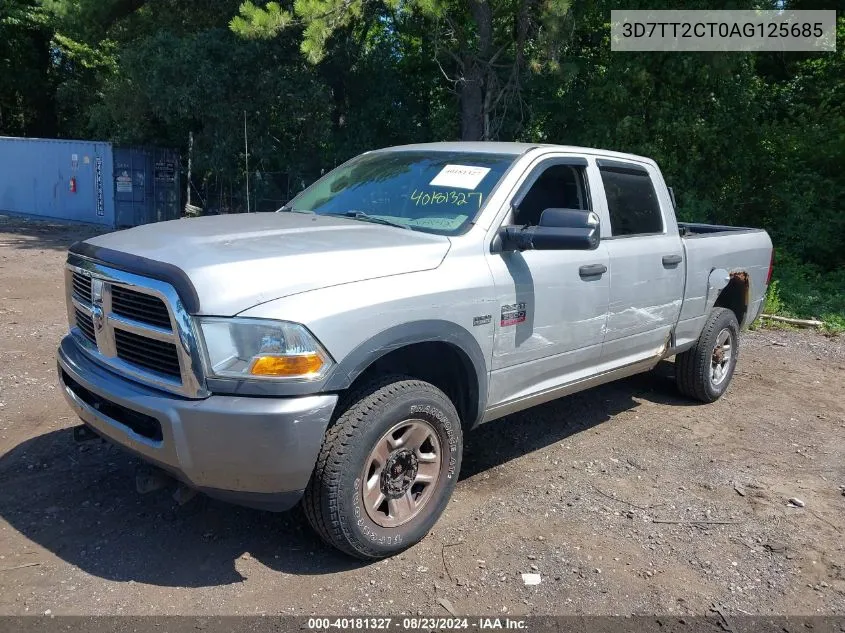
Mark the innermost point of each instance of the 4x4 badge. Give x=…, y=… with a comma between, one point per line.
x=482, y=320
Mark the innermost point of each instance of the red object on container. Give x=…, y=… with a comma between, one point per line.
x=73, y=184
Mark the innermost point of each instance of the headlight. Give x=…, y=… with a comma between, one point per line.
x=262, y=349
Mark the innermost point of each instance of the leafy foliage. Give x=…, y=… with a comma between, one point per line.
x=805, y=290
x=483, y=48
x=747, y=139
x=26, y=78
x=260, y=23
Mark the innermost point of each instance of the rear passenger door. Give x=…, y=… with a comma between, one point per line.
x=646, y=261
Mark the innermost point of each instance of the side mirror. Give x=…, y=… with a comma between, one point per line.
x=559, y=229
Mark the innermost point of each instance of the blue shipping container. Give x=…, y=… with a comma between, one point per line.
x=146, y=185
x=88, y=181
x=37, y=177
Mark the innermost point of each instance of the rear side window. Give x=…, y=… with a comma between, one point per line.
x=631, y=201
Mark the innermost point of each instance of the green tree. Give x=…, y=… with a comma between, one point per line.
x=483, y=48
x=805, y=136
x=27, y=80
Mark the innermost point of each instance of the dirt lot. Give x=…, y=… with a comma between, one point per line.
x=596, y=492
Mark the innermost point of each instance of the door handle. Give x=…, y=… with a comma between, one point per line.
x=671, y=260
x=592, y=270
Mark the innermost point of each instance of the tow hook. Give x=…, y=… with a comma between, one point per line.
x=83, y=433
x=183, y=494
x=149, y=479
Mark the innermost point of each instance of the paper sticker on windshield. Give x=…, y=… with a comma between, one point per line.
x=461, y=176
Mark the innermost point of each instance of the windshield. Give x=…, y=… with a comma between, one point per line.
x=436, y=192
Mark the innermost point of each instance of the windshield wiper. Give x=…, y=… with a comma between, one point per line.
x=289, y=209
x=360, y=215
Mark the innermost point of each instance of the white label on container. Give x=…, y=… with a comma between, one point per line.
x=99, y=181
x=461, y=176
x=124, y=183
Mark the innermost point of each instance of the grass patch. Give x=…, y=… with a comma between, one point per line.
x=805, y=291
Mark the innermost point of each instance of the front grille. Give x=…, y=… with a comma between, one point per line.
x=140, y=307
x=138, y=328
x=86, y=325
x=157, y=356
x=82, y=287
x=142, y=424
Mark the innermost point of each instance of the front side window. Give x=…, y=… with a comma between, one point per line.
x=435, y=192
x=631, y=201
x=559, y=186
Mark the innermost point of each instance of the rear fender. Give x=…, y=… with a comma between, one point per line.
x=718, y=281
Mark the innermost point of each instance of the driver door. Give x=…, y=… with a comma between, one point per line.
x=552, y=305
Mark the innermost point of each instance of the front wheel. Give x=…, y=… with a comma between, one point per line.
x=705, y=370
x=386, y=469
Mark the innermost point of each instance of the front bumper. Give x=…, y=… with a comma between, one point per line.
x=252, y=451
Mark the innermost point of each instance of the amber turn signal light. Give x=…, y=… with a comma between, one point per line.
x=288, y=366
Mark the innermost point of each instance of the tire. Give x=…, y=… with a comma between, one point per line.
x=695, y=371
x=361, y=447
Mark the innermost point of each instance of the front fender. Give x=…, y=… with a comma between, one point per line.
x=398, y=336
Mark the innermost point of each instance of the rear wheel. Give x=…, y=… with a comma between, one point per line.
x=386, y=469
x=705, y=370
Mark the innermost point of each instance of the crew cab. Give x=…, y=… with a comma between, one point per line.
x=336, y=352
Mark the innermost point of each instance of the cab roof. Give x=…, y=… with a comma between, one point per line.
x=499, y=147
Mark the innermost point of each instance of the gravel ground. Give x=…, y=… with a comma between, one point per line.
x=626, y=499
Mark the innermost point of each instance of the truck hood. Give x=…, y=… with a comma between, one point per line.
x=235, y=262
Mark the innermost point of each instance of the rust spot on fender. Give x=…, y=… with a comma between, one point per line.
x=743, y=278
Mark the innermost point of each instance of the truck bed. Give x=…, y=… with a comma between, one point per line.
x=694, y=229
x=734, y=251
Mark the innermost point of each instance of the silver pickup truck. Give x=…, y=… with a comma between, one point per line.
x=336, y=351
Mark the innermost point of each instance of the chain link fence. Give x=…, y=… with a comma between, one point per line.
x=219, y=194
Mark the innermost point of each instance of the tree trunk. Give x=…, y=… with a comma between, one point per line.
x=473, y=83
x=472, y=102
x=45, y=123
